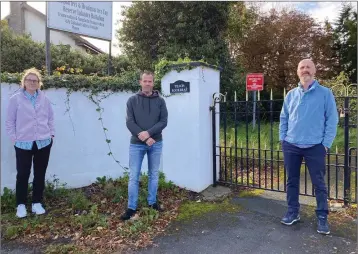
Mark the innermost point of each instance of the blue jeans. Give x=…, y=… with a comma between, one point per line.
x=315, y=161
x=136, y=155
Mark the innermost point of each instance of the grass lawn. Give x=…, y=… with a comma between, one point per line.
x=264, y=133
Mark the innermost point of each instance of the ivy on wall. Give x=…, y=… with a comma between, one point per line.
x=125, y=82
x=128, y=81
x=164, y=66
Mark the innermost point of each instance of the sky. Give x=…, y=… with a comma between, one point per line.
x=318, y=10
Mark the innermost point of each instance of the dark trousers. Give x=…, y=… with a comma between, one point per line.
x=315, y=161
x=24, y=159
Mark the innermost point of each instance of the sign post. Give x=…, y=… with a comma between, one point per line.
x=48, y=47
x=90, y=19
x=254, y=83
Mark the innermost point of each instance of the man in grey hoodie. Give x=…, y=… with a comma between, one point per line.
x=147, y=116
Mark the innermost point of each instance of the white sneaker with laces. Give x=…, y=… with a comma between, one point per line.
x=38, y=209
x=21, y=211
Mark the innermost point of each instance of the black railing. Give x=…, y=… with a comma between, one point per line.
x=247, y=151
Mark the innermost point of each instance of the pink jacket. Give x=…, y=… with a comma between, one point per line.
x=24, y=123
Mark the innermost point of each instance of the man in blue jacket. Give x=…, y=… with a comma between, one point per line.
x=308, y=126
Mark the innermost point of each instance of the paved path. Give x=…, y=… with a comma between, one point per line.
x=255, y=229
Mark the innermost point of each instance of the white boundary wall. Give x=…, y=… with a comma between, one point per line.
x=79, y=153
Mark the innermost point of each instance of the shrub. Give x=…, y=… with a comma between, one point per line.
x=20, y=52
x=8, y=200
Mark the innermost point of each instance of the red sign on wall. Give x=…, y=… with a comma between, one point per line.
x=255, y=82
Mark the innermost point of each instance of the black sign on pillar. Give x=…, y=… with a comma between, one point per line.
x=180, y=86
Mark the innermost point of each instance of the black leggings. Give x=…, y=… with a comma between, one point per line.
x=24, y=159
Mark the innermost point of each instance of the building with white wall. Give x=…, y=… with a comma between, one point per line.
x=24, y=19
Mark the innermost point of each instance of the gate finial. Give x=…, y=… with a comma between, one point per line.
x=217, y=97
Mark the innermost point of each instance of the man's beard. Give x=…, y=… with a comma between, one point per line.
x=306, y=77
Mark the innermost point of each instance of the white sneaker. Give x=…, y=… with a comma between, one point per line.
x=21, y=211
x=38, y=209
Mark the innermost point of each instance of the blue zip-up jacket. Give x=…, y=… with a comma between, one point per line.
x=310, y=117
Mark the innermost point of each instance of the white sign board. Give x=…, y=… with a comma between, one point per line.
x=92, y=19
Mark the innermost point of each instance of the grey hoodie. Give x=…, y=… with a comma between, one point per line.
x=146, y=113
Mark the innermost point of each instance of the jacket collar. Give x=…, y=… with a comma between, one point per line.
x=28, y=95
x=37, y=94
x=311, y=87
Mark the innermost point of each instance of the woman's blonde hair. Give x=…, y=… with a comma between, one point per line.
x=33, y=71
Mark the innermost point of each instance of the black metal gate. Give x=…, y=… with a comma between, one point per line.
x=247, y=151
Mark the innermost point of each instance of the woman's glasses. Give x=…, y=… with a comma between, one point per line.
x=32, y=81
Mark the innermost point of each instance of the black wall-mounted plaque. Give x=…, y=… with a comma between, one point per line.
x=180, y=86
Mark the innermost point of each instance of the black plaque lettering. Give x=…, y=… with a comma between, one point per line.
x=180, y=86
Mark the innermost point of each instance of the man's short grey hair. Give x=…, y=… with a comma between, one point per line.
x=147, y=73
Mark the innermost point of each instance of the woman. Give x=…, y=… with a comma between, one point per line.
x=30, y=125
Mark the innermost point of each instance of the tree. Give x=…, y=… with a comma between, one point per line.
x=346, y=41
x=171, y=30
x=277, y=42
x=240, y=19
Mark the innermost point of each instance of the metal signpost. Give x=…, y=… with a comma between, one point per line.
x=254, y=83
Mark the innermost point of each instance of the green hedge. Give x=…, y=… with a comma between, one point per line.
x=126, y=81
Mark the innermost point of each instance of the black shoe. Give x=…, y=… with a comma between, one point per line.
x=155, y=206
x=290, y=218
x=323, y=227
x=128, y=214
